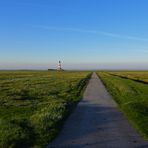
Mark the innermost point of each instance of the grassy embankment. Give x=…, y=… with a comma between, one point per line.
x=131, y=96
x=34, y=104
x=139, y=76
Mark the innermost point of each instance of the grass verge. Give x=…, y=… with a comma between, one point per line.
x=132, y=98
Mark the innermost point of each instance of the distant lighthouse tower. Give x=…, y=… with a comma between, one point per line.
x=59, y=66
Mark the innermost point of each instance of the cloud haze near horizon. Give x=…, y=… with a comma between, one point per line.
x=75, y=66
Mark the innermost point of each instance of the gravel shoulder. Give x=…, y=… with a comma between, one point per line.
x=97, y=123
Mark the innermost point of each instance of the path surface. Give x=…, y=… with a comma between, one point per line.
x=97, y=123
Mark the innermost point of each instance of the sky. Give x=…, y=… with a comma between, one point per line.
x=83, y=34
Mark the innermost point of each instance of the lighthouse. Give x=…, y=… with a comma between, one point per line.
x=59, y=66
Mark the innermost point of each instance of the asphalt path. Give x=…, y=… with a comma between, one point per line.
x=97, y=123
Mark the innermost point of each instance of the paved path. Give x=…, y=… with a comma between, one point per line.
x=97, y=123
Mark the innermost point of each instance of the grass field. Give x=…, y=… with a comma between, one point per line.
x=33, y=105
x=141, y=76
x=131, y=96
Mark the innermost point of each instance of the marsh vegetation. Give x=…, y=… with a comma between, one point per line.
x=34, y=104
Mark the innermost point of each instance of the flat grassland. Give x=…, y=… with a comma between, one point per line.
x=131, y=96
x=141, y=76
x=33, y=105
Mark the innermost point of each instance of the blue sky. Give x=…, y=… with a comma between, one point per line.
x=84, y=34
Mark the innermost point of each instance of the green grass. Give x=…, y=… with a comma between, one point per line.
x=141, y=76
x=34, y=104
x=132, y=98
